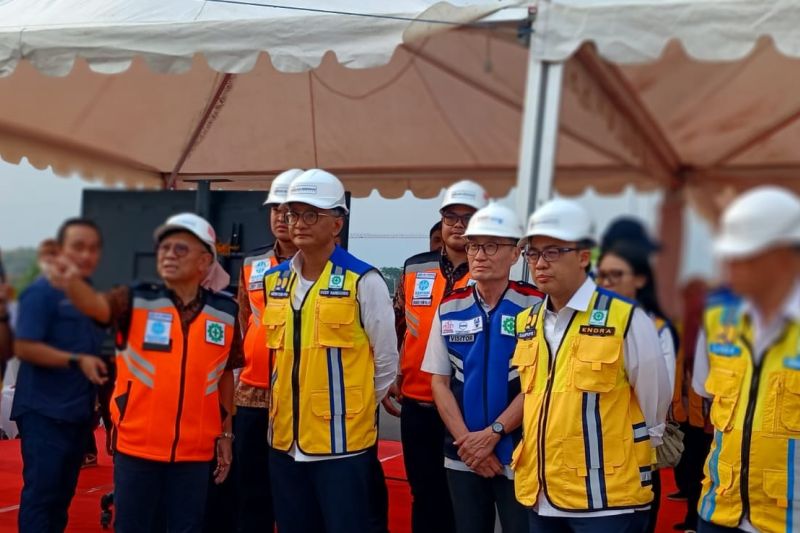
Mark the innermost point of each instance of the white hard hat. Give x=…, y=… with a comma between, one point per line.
x=762, y=218
x=280, y=186
x=318, y=188
x=465, y=192
x=194, y=224
x=561, y=219
x=494, y=220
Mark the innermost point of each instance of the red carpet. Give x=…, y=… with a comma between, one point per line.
x=94, y=482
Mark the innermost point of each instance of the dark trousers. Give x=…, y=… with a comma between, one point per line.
x=142, y=488
x=251, y=466
x=621, y=523
x=652, y=514
x=697, y=444
x=474, y=499
x=330, y=496
x=379, y=496
x=52, y=454
x=422, y=434
x=708, y=527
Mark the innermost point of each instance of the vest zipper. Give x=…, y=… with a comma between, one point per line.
x=296, y=341
x=551, y=366
x=180, y=397
x=747, y=434
x=486, y=367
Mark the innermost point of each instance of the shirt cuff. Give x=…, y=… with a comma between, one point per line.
x=656, y=432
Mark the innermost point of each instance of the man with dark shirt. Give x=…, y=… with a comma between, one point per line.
x=58, y=347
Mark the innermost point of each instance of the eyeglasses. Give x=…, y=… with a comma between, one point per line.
x=309, y=217
x=610, y=276
x=451, y=219
x=489, y=248
x=550, y=254
x=180, y=249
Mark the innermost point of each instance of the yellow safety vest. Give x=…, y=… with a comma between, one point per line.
x=323, y=389
x=753, y=468
x=585, y=441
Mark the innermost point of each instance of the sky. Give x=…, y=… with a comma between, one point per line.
x=33, y=203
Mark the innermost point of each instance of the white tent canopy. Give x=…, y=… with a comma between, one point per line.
x=253, y=90
x=671, y=93
x=686, y=95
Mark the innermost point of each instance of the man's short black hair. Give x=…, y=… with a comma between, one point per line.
x=77, y=221
x=436, y=227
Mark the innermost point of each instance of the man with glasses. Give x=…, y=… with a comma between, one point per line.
x=328, y=325
x=476, y=391
x=593, y=382
x=177, y=343
x=426, y=278
x=253, y=496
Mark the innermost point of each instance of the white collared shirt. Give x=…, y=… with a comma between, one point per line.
x=764, y=335
x=377, y=316
x=645, y=368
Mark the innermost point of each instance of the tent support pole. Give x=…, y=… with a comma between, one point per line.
x=537, y=159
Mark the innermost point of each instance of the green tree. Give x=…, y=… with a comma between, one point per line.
x=392, y=276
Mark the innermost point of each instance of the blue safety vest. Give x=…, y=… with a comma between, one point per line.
x=480, y=345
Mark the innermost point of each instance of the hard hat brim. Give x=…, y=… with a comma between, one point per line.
x=728, y=247
x=164, y=229
x=315, y=203
x=486, y=233
x=556, y=233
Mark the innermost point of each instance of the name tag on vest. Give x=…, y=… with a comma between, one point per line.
x=724, y=350
x=597, y=331
x=157, y=330
x=792, y=362
x=422, y=302
x=256, y=281
x=331, y=293
x=527, y=334
x=423, y=286
x=462, y=327
x=461, y=338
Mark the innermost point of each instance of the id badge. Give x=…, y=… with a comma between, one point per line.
x=157, y=331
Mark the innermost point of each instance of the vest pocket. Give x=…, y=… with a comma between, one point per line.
x=790, y=402
x=524, y=359
x=326, y=406
x=776, y=485
x=574, y=451
x=274, y=322
x=723, y=385
x=595, y=363
x=334, y=322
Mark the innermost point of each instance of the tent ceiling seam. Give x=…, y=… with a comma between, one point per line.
x=627, y=102
x=212, y=110
x=763, y=135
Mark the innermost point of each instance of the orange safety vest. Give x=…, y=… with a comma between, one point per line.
x=166, y=405
x=424, y=285
x=256, y=354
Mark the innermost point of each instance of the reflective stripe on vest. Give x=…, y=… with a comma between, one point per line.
x=256, y=355
x=585, y=440
x=480, y=346
x=323, y=388
x=753, y=464
x=424, y=286
x=166, y=404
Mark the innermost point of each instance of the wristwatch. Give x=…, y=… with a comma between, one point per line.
x=73, y=360
x=499, y=428
x=226, y=435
